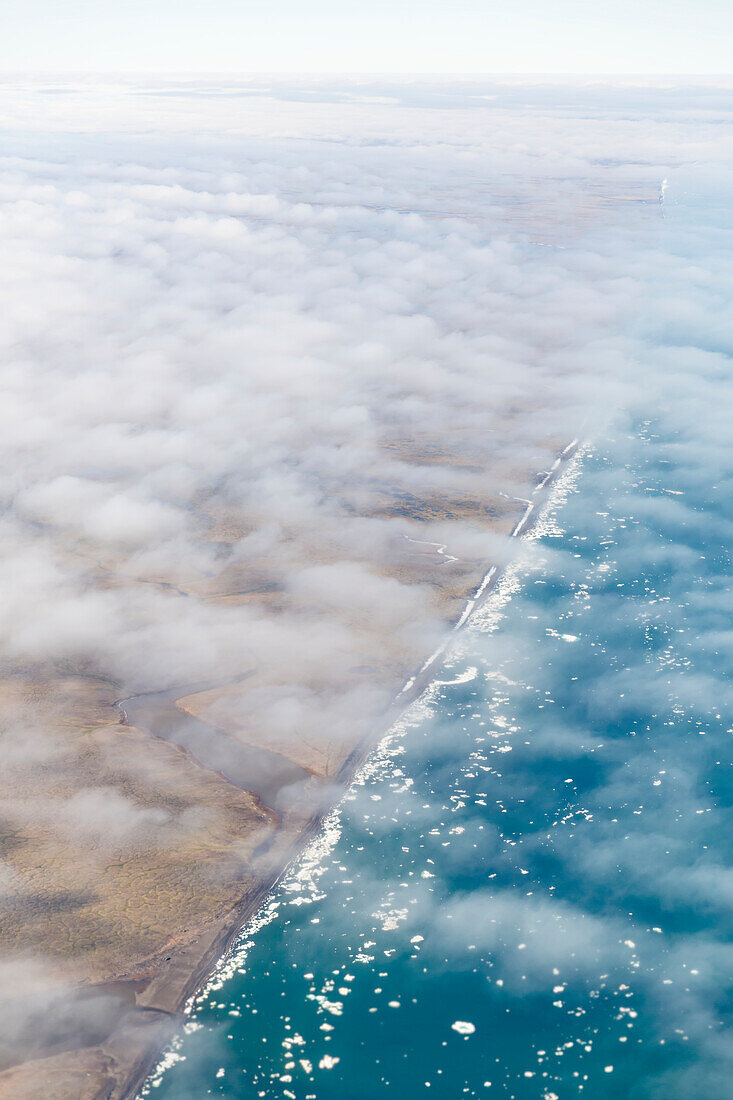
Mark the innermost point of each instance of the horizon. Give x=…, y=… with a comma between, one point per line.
x=565, y=37
x=405, y=74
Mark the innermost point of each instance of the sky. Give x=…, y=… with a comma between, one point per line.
x=333, y=36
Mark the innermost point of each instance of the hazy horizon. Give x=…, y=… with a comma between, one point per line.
x=534, y=36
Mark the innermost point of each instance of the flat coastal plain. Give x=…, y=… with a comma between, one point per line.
x=227, y=780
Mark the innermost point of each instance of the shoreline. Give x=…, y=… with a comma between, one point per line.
x=169, y=994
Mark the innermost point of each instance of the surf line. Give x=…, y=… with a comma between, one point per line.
x=539, y=494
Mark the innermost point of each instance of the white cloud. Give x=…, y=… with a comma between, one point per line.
x=240, y=328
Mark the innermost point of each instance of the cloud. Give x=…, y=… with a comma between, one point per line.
x=280, y=368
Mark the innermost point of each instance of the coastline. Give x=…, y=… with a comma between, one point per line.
x=164, y=1001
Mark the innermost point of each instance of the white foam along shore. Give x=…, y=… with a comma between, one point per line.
x=539, y=494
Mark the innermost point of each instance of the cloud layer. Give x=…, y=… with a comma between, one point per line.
x=280, y=365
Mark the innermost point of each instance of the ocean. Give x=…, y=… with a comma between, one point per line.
x=526, y=893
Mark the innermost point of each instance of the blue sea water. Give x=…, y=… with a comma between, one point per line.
x=528, y=891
